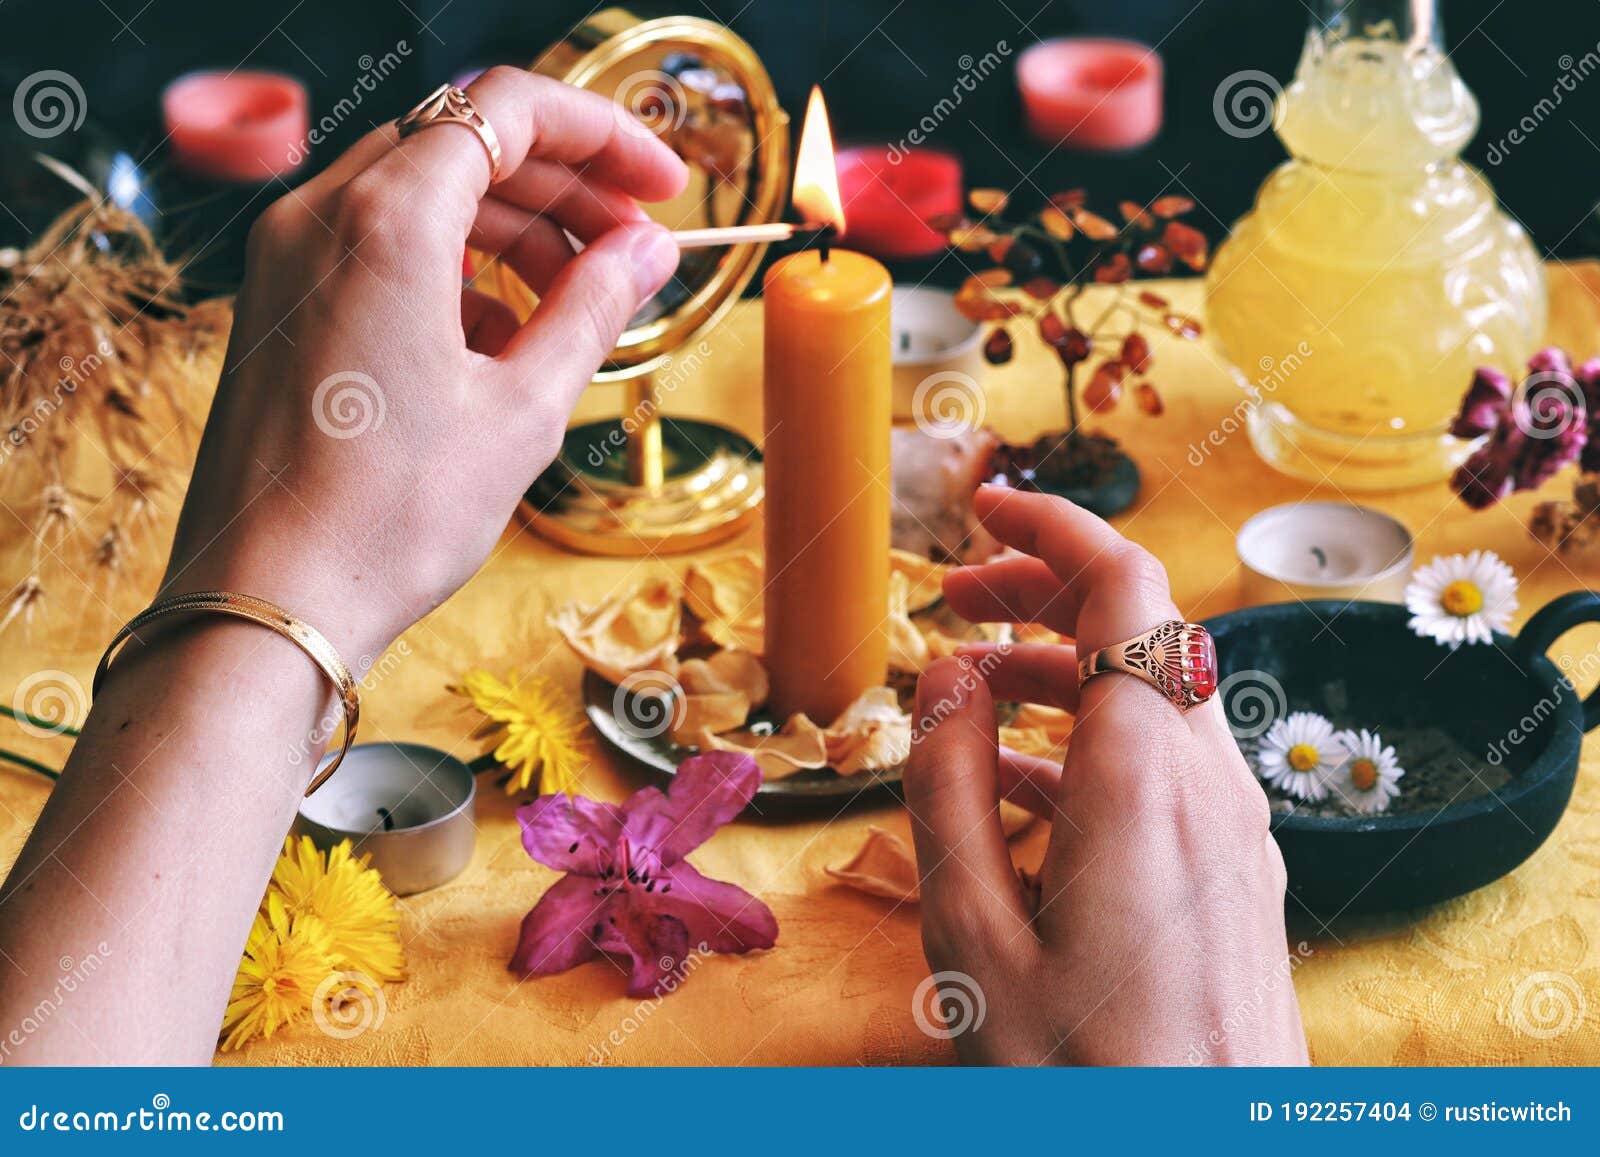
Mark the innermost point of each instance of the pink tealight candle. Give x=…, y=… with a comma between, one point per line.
x=889, y=193
x=239, y=126
x=1091, y=94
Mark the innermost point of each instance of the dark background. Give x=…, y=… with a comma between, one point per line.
x=882, y=64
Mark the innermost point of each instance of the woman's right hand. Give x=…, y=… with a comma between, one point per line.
x=1157, y=932
x=376, y=425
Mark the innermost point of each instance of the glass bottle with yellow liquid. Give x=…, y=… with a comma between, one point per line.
x=1376, y=270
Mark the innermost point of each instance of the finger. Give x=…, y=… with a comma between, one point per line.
x=1012, y=590
x=487, y=322
x=1031, y=781
x=1121, y=589
x=579, y=203
x=531, y=116
x=536, y=247
x=953, y=792
x=586, y=307
x=1044, y=673
x=357, y=158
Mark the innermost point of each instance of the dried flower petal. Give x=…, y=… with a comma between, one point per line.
x=1153, y=300
x=1070, y=200
x=1149, y=400
x=1171, y=206
x=1484, y=405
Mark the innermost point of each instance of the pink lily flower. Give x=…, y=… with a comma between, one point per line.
x=628, y=890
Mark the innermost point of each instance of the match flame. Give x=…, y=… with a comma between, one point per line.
x=816, y=179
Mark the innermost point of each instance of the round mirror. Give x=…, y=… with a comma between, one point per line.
x=703, y=91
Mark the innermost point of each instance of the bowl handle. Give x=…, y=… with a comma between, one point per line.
x=1555, y=619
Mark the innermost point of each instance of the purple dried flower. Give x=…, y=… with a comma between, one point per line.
x=1484, y=405
x=627, y=889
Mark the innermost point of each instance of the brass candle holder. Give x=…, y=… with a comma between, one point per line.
x=646, y=483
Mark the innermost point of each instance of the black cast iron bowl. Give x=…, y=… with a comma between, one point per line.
x=1504, y=706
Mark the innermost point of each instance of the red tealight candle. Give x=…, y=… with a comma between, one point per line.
x=239, y=126
x=1091, y=94
x=889, y=193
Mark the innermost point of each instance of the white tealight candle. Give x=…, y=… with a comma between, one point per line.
x=1324, y=550
x=409, y=806
x=931, y=342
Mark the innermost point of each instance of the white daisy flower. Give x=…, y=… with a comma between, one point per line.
x=1462, y=598
x=1300, y=754
x=1369, y=779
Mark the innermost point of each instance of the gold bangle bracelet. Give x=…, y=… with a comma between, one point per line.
x=275, y=618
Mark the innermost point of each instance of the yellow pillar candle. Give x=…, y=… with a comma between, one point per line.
x=827, y=393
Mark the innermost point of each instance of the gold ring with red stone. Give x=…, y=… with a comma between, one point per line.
x=1179, y=659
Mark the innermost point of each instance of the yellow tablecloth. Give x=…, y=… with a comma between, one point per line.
x=1437, y=986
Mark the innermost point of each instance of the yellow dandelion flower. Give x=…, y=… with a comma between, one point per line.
x=283, y=965
x=338, y=895
x=537, y=734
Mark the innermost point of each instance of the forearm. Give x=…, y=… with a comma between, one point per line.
x=154, y=850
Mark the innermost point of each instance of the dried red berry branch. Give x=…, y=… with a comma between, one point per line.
x=1044, y=264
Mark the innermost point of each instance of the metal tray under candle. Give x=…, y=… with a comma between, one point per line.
x=615, y=713
x=604, y=702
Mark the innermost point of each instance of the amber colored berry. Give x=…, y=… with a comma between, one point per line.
x=1171, y=206
x=1114, y=270
x=1105, y=386
x=1182, y=326
x=1149, y=400
x=997, y=350
x=1187, y=244
x=1136, y=352
x=1156, y=260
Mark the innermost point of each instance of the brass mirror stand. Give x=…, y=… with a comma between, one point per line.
x=646, y=483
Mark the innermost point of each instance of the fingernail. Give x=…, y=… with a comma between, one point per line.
x=655, y=256
x=939, y=692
